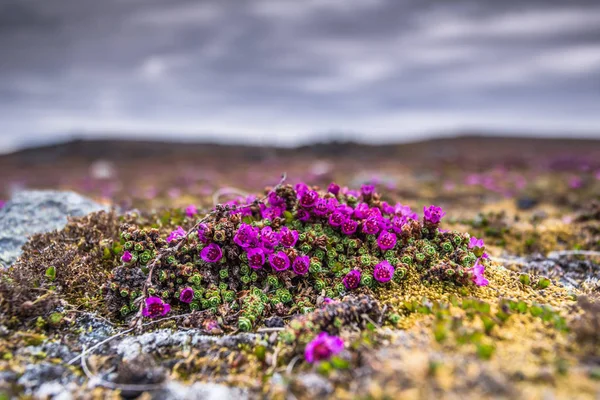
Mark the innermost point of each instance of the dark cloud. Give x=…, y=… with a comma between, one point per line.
x=283, y=68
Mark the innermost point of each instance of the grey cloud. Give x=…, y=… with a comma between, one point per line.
x=83, y=64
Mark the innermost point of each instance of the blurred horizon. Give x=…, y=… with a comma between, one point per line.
x=288, y=73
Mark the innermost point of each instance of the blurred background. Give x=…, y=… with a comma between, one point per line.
x=288, y=72
x=435, y=100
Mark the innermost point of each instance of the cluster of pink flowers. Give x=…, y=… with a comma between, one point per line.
x=260, y=245
x=386, y=222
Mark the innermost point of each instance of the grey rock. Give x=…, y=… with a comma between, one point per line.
x=132, y=346
x=315, y=385
x=37, y=211
x=37, y=374
x=199, y=391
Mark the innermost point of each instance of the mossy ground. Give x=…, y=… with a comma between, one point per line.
x=519, y=337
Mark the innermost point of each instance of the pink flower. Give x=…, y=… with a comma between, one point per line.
x=386, y=240
x=301, y=188
x=397, y=224
x=478, y=271
x=211, y=253
x=323, y=347
x=202, y=230
x=361, y=210
x=323, y=207
x=256, y=258
x=302, y=215
x=126, y=257
x=191, y=210
x=246, y=236
x=268, y=237
x=349, y=226
x=334, y=188
x=308, y=199
x=301, y=265
x=288, y=237
x=474, y=242
x=367, y=190
x=352, y=279
x=178, y=233
x=433, y=214
x=187, y=295
x=275, y=200
x=155, y=307
x=336, y=218
x=383, y=272
x=575, y=182
x=387, y=209
x=279, y=261
x=371, y=226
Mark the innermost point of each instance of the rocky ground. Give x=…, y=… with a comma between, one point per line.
x=68, y=331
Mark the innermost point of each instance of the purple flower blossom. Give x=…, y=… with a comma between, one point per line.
x=176, y=234
x=211, y=253
x=345, y=209
x=433, y=214
x=367, y=190
x=324, y=207
x=371, y=226
x=279, y=261
x=256, y=258
x=126, y=257
x=187, y=295
x=323, y=347
x=575, y=182
x=309, y=199
x=246, y=236
x=202, y=230
x=301, y=265
x=302, y=215
x=301, y=188
x=352, y=279
x=387, y=209
x=397, y=224
x=386, y=240
x=334, y=188
x=275, y=200
x=270, y=212
x=336, y=218
x=349, y=226
x=385, y=224
x=405, y=211
x=478, y=271
x=268, y=237
x=383, y=272
x=288, y=237
x=327, y=301
x=474, y=242
x=191, y=210
x=155, y=307
x=361, y=210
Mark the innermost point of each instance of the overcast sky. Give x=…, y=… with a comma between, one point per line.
x=286, y=72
